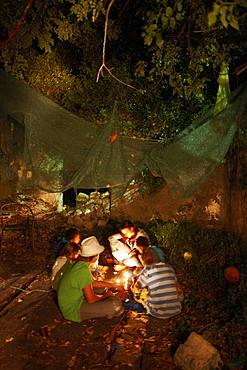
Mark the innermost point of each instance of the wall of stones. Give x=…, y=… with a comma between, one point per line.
x=218, y=204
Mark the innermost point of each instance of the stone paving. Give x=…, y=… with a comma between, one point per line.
x=34, y=335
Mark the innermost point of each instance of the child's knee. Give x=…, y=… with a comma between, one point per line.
x=115, y=308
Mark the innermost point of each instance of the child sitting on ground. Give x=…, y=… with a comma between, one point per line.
x=142, y=244
x=71, y=235
x=123, y=244
x=77, y=296
x=69, y=253
x=160, y=281
x=137, y=301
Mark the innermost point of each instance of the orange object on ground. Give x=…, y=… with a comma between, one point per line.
x=232, y=274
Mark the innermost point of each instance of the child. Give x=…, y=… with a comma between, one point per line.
x=71, y=235
x=123, y=243
x=77, y=298
x=69, y=253
x=160, y=281
x=142, y=245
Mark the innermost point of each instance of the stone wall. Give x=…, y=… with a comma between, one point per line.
x=206, y=207
x=218, y=204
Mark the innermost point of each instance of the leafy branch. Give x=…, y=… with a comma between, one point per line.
x=224, y=11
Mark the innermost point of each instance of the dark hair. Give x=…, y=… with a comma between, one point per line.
x=127, y=225
x=69, y=249
x=153, y=255
x=88, y=259
x=141, y=241
x=71, y=233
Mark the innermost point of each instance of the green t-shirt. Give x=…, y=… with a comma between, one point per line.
x=70, y=291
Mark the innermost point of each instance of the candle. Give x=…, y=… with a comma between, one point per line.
x=126, y=281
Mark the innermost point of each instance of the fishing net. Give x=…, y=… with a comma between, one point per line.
x=44, y=145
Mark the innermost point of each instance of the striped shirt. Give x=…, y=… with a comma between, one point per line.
x=160, y=281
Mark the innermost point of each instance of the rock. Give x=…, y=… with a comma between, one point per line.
x=102, y=223
x=100, y=213
x=78, y=221
x=70, y=220
x=88, y=225
x=196, y=354
x=81, y=197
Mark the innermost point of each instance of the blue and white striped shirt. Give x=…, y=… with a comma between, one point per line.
x=160, y=281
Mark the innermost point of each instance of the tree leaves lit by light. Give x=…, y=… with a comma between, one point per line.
x=224, y=12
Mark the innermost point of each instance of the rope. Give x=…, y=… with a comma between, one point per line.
x=24, y=290
x=19, y=24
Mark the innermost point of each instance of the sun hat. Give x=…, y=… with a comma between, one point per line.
x=90, y=247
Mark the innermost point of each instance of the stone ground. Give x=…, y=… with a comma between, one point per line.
x=34, y=335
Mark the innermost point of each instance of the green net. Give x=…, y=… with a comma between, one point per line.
x=43, y=145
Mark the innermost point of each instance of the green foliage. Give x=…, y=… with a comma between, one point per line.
x=49, y=76
x=182, y=49
x=212, y=251
x=224, y=12
x=158, y=117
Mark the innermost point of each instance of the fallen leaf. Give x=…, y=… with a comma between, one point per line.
x=10, y=339
x=72, y=361
x=151, y=339
x=113, y=137
x=89, y=330
x=119, y=340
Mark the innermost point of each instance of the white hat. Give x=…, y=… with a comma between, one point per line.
x=90, y=247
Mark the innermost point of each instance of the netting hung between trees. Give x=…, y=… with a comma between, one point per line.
x=44, y=145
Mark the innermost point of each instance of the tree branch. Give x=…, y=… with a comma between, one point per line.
x=103, y=65
x=19, y=24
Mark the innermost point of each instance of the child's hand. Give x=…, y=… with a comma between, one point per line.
x=120, y=288
x=108, y=293
x=121, y=295
x=132, y=253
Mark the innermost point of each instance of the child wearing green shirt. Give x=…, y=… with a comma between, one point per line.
x=77, y=298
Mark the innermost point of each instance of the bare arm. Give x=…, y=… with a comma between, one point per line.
x=91, y=297
x=104, y=284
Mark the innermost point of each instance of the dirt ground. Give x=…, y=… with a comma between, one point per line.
x=34, y=335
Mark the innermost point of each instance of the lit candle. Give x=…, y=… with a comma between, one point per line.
x=126, y=282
